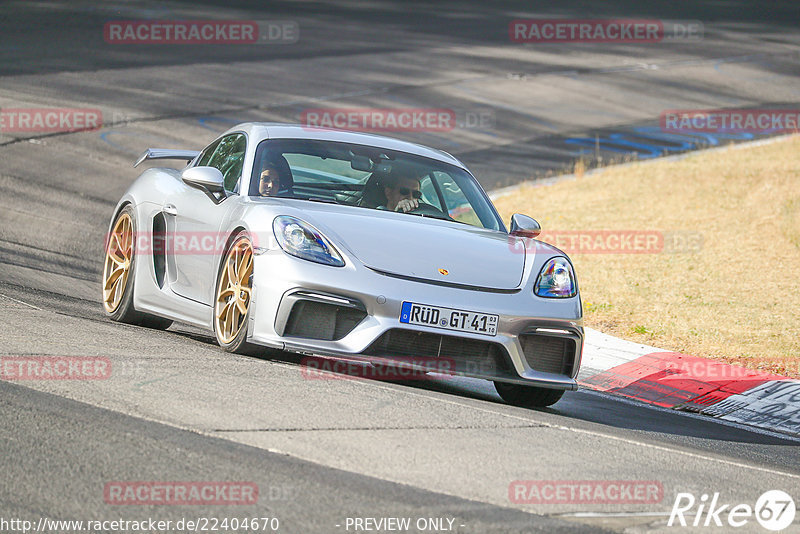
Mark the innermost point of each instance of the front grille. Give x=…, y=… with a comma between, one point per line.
x=466, y=355
x=549, y=354
x=319, y=320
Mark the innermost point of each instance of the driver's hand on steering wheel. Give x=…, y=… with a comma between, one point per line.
x=407, y=204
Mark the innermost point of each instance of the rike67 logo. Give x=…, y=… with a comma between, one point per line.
x=774, y=510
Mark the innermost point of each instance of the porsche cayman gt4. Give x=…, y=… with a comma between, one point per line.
x=345, y=245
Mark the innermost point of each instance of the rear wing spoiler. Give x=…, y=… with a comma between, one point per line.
x=166, y=153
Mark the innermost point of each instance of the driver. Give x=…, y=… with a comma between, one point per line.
x=402, y=194
x=270, y=181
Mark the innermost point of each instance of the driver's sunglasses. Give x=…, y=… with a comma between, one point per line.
x=416, y=193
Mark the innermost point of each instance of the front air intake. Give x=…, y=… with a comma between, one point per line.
x=320, y=320
x=549, y=354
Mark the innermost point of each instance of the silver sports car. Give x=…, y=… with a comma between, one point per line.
x=345, y=245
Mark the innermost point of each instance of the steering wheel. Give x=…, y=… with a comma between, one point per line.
x=426, y=210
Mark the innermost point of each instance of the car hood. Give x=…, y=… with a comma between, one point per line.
x=419, y=247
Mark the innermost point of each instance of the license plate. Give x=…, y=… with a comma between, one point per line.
x=448, y=318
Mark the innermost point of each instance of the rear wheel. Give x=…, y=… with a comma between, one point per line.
x=233, y=296
x=118, y=269
x=528, y=396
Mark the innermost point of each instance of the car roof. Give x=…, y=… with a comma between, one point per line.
x=275, y=130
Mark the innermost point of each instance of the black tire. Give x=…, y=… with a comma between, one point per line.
x=239, y=344
x=125, y=311
x=528, y=396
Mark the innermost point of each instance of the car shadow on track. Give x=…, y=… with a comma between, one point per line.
x=593, y=409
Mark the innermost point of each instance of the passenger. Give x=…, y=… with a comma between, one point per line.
x=270, y=182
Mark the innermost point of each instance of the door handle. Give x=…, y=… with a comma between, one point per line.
x=169, y=209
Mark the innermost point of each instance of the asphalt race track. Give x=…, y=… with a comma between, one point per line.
x=176, y=408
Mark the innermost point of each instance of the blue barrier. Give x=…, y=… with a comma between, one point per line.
x=662, y=142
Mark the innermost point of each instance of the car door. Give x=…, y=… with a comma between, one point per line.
x=195, y=221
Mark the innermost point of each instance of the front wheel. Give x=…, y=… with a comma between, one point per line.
x=233, y=296
x=528, y=396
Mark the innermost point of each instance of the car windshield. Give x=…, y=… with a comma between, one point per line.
x=369, y=177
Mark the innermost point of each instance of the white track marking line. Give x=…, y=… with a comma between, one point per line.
x=615, y=514
x=20, y=302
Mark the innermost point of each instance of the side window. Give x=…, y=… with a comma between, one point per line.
x=228, y=157
x=458, y=206
x=202, y=161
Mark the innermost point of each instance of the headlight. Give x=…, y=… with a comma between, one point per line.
x=556, y=279
x=300, y=239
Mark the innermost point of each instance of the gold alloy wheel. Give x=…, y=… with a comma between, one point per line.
x=233, y=291
x=117, y=267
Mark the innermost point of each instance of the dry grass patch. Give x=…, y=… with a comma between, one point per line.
x=736, y=299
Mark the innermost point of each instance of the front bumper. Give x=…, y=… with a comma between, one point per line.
x=530, y=329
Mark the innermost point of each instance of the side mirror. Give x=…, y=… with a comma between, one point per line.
x=208, y=180
x=524, y=226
